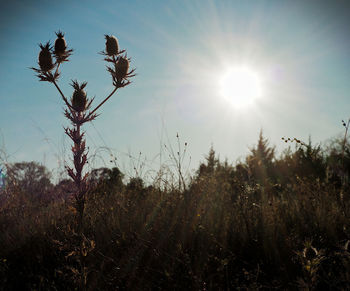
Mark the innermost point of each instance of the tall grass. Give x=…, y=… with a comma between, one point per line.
x=265, y=223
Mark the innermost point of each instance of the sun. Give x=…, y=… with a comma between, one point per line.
x=241, y=86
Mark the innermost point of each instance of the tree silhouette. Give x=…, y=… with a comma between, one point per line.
x=31, y=177
x=260, y=161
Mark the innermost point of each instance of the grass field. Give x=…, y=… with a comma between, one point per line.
x=265, y=223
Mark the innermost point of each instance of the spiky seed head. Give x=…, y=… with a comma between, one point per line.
x=79, y=98
x=45, y=58
x=310, y=252
x=60, y=44
x=112, y=47
x=121, y=68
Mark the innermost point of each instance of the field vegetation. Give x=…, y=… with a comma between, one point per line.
x=266, y=222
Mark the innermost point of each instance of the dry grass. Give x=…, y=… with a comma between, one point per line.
x=228, y=229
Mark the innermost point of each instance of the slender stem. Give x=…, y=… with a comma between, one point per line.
x=344, y=141
x=63, y=97
x=109, y=96
x=343, y=165
x=78, y=170
x=78, y=147
x=80, y=201
x=58, y=65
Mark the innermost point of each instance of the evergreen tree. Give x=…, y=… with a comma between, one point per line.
x=260, y=162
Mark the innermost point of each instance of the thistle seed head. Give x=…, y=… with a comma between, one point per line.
x=60, y=44
x=79, y=98
x=45, y=58
x=112, y=47
x=121, y=68
x=310, y=252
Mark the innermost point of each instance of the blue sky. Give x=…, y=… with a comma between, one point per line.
x=180, y=50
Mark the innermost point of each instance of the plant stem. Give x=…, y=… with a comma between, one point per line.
x=63, y=97
x=79, y=168
x=344, y=141
x=58, y=65
x=109, y=96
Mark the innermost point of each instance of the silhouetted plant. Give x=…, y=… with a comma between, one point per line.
x=77, y=109
x=346, y=126
x=177, y=157
x=260, y=162
x=344, y=169
x=338, y=161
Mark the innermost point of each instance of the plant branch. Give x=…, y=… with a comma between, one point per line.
x=109, y=96
x=344, y=141
x=63, y=97
x=58, y=65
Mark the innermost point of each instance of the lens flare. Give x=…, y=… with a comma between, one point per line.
x=241, y=86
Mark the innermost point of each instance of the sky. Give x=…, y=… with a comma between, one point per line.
x=181, y=50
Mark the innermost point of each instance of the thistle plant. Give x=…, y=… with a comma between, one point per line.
x=343, y=174
x=311, y=260
x=346, y=126
x=77, y=109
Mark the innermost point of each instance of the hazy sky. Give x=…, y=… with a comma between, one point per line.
x=181, y=50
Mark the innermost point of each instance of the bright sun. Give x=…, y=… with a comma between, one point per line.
x=241, y=86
